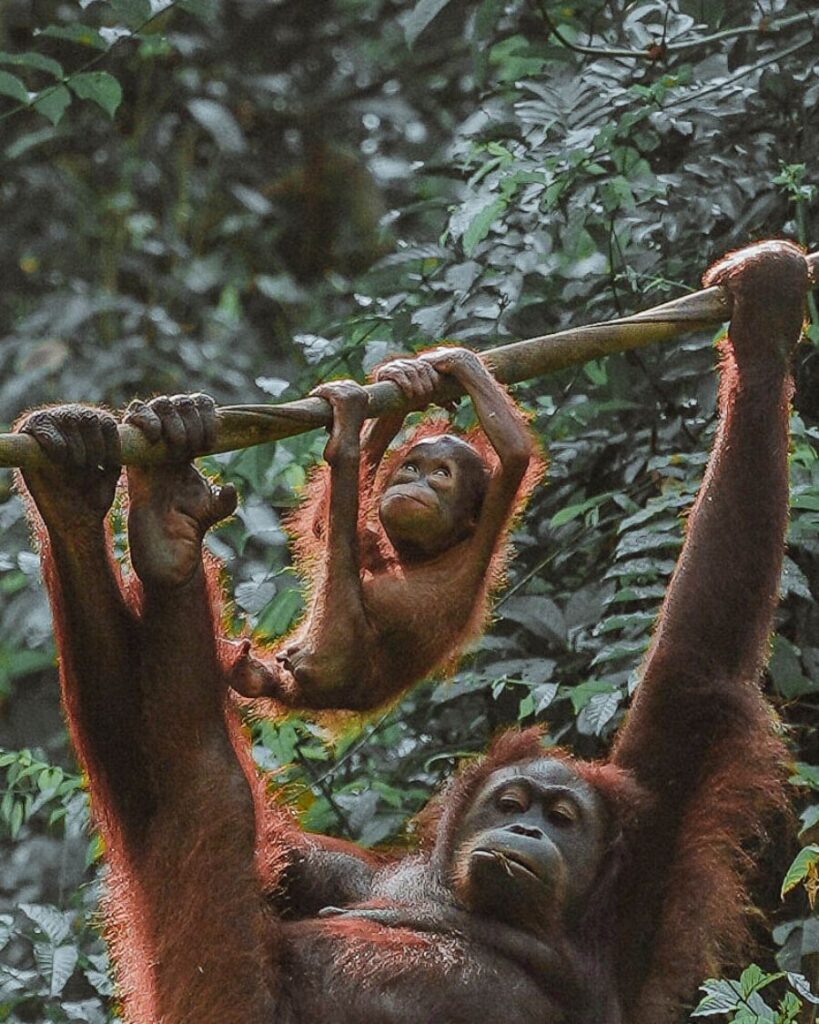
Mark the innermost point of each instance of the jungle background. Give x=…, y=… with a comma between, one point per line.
x=245, y=197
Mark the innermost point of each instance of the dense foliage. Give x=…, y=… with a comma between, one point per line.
x=246, y=198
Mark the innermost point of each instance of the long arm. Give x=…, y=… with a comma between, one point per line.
x=716, y=619
x=202, y=905
x=200, y=899
x=96, y=631
x=509, y=434
x=328, y=648
x=309, y=521
x=341, y=590
x=699, y=736
x=99, y=641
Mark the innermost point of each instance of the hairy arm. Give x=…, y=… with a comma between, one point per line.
x=323, y=872
x=331, y=647
x=96, y=632
x=201, y=903
x=315, y=668
x=699, y=736
x=509, y=434
x=712, y=633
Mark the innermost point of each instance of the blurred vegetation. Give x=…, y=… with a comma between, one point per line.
x=246, y=198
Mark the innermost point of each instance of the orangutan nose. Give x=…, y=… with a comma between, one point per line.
x=526, y=830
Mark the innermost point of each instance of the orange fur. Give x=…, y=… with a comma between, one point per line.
x=425, y=642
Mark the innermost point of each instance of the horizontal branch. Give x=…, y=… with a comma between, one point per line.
x=242, y=426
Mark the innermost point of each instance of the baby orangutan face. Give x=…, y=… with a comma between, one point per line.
x=529, y=848
x=433, y=498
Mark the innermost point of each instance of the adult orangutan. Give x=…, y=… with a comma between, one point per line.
x=428, y=546
x=548, y=890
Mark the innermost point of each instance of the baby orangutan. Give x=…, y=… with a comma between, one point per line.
x=393, y=601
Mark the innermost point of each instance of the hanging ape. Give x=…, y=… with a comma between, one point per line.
x=547, y=890
x=402, y=555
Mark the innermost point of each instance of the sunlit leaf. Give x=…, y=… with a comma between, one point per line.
x=805, y=869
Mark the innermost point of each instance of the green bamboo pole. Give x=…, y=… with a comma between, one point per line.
x=242, y=426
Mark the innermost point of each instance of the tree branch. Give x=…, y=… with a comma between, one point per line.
x=242, y=426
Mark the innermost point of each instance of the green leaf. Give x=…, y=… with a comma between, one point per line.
x=785, y=669
x=801, y=984
x=133, y=12
x=598, y=712
x=83, y=35
x=53, y=103
x=51, y=922
x=642, y=620
x=487, y=17
x=570, y=512
x=623, y=649
x=49, y=779
x=10, y=85
x=805, y=775
x=480, y=225
x=95, y=851
x=23, y=662
x=419, y=17
x=753, y=978
x=515, y=59
x=537, y=613
x=99, y=87
x=152, y=46
x=804, y=868
x=596, y=371
x=526, y=707
x=56, y=964
x=27, y=141
x=16, y=818
x=807, y=499
x=281, y=613
x=36, y=61
x=739, y=997
x=581, y=694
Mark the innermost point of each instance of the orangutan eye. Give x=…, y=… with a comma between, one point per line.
x=442, y=471
x=512, y=801
x=410, y=467
x=562, y=813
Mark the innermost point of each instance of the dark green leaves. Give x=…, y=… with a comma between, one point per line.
x=13, y=87
x=99, y=87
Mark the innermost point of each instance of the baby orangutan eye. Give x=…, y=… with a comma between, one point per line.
x=443, y=471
